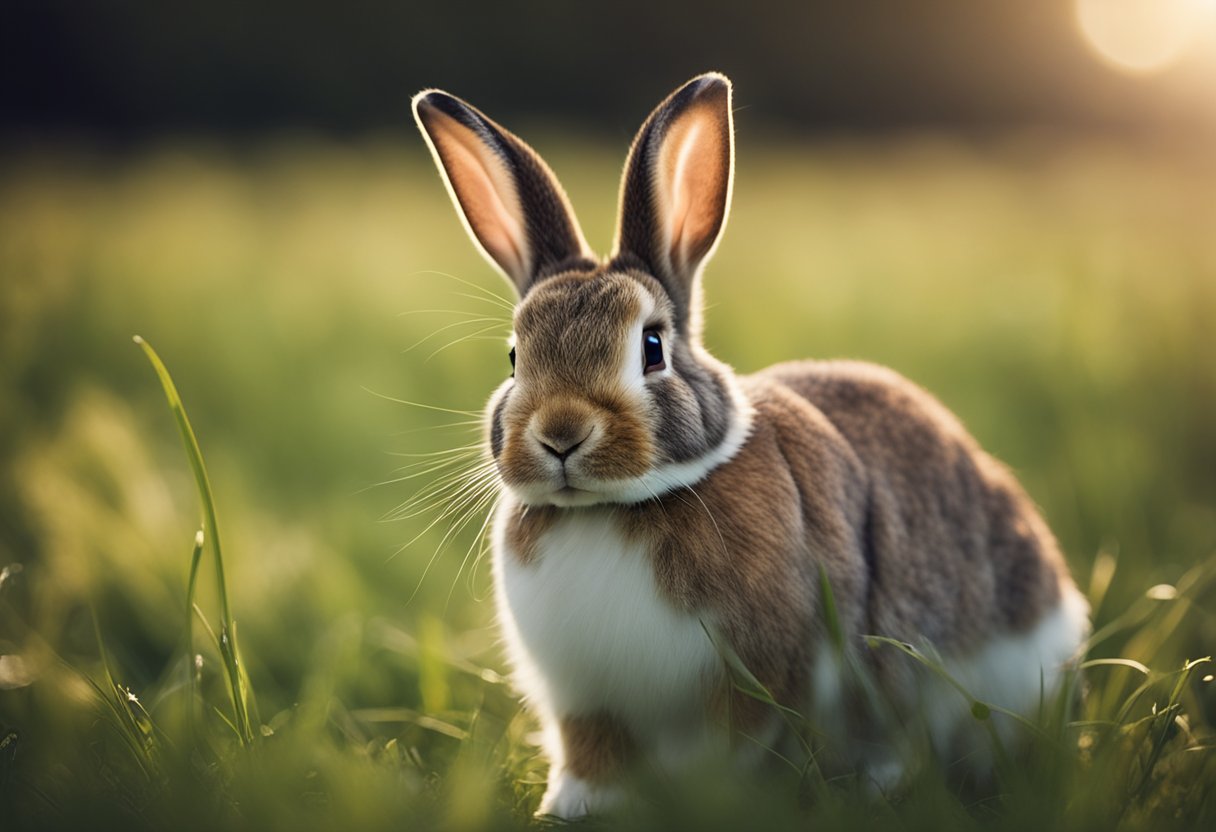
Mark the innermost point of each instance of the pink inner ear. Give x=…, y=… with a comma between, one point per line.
x=691, y=181
x=485, y=192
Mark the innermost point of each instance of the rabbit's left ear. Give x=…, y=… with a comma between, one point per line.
x=511, y=203
x=677, y=185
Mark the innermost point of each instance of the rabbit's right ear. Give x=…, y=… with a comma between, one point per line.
x=511, y=203
x=675, y=195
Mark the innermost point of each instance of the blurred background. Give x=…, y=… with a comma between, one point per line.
x=135, y=69
x=1012, y=203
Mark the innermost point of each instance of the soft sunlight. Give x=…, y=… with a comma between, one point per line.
x=1142, y=37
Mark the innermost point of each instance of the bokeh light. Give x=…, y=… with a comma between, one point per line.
x=1142, y=37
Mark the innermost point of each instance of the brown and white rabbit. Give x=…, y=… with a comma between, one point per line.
x=650, y=495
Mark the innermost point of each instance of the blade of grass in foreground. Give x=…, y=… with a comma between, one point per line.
x=118, y=701
x=228, y=647
x=196, y=557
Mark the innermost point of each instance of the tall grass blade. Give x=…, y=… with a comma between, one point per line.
x=744, y=681
x=229, y=650
x=196, y=557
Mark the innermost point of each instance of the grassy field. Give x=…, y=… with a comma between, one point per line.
x=1059, y=296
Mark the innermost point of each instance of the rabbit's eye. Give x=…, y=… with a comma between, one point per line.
x=511, y=355
x=652, y=351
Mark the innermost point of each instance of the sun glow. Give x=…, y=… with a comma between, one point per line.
x=1142, y=37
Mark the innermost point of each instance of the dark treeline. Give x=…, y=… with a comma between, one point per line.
x=137, y=68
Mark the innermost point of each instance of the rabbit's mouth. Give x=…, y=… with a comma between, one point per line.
x=568, y=449
x=569, y=496
x=572, y=489
x=563, y=488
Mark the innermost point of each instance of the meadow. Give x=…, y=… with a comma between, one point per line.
x=1058, y=294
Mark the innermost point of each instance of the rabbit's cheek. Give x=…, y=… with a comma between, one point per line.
x=519, y=464
x=495, y=428
x=625, y=450
x=520, y=461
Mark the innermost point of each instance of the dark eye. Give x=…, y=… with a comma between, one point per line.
x=652, y=351
x=511, y=355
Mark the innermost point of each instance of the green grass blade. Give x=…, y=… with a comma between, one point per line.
x=1139, y=667
x=742, y=679
x=117, y=720
x=118, y=696
x=831, y=618
x=228, y=645
x=1167, y=716
x=196, y=557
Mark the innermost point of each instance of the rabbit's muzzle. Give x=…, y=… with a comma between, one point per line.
x=571, y=446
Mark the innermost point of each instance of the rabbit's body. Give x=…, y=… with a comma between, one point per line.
x=652, y=498
x=851, y=468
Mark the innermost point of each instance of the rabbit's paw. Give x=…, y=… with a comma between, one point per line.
x=569, y=797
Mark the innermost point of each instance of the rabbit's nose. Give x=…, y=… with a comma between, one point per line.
x=561, y=450
x=561, y=434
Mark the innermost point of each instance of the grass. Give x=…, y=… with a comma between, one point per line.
x=1059, y=296
x=241, y=723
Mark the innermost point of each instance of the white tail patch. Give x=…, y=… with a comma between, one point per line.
x=1019, y=673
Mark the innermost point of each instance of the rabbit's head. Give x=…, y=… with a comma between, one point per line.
x=612, y=398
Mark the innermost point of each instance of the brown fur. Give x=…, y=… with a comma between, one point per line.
x=969, y=541
x=527, y=527
x=854, y=468
x=849, y=470
x=754, y=562
x=571, y=344
x=597, y=746
x=567, y=383
x=553, y=347
x=571, y=386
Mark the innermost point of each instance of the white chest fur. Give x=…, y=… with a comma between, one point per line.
x=588, y=629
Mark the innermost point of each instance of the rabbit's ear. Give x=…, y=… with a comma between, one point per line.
x=676, y=190
x=511, y=203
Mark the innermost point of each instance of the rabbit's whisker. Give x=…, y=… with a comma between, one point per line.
x=463, y=338
x=466, y=423
x=488, y=295
x=478, y=320
x=492, y=301
x=483, y=549
x=446, y=488
x=395, y=400
x=474, y=446
x=447, y=481
x=438, y=463
x=453, y=508
x=677, y=488
x=428, y=466
x=487, y=499
x=465, y=312
x=466, y=508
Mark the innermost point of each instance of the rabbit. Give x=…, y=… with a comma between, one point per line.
x=653, y=500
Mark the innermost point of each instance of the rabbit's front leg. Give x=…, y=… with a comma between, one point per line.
x=596, y=751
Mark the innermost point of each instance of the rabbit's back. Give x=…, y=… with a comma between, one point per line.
x=956, y=551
